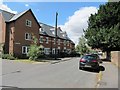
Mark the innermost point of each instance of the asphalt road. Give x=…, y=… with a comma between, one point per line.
x=59, y=75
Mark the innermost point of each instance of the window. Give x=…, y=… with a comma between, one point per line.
x=28, y=36
x=53, y=51
x=41, y=30
x=67, y=43
x=54, y=41
x=58, y=41
x=47, y=51
x=28, y=23
x=41, y=39
x=47, y=39
x=64, y=42
x=25, y=49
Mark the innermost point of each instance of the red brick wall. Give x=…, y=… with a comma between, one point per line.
x=2, y=29
x=52, y=45
x=17, y=33
x=11, y=37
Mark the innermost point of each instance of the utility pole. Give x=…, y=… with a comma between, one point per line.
x=56, y=37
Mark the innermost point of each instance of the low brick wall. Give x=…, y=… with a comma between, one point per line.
x=115, y=57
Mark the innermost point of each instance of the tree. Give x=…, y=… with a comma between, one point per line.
x=35, y=51
x=82, y=47
x=103, y=30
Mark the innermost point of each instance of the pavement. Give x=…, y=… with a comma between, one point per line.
x=60, y=60
x=52, y=61
x=108, y=78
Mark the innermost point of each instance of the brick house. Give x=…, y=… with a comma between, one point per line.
x=47, y=40
x=16, y=33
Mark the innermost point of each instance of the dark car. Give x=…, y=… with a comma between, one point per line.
x=98, y=57
x=90, y=61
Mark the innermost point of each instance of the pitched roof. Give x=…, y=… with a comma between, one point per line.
x=7, y=15
x=16, y=16
x=46, y=29
x=50, y=31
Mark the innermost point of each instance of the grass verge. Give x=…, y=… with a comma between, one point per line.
x=25, y=60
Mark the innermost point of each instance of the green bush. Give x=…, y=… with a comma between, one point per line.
x=8, y=56
x=34, y=52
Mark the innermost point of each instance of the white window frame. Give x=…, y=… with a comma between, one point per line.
x=47, y=51
x=41, y=39
x=47, y=40
x=64, y=42
x=67, y=43
x=26, y=49
x=28, y=23
x=54, y=41
x=41, y=30
x=53, y=51
x=58, y=41
x=29, y=36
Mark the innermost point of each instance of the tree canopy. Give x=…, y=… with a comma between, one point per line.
x=103, y=30
x=82, y=46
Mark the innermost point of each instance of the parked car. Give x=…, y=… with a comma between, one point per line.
x=98, y=57
x=90, y=61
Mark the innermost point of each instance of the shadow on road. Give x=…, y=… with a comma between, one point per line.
x=105, y=60
x=101, y=68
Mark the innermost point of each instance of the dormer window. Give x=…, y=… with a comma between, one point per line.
x=41, y=30
x=53, y=32
x=28, y=23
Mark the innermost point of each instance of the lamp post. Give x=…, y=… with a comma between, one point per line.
x=56, y=36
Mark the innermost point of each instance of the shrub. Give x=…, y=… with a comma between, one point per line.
x=34, y=52
x=8, y=56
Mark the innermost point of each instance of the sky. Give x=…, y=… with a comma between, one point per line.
x=72, y=16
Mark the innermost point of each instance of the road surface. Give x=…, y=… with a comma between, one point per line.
x=36, y=75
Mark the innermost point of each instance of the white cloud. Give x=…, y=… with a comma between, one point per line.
x=6, y=8
x=27, y=5
x=77, y=22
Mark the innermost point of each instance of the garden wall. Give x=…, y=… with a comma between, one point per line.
x=115, y=57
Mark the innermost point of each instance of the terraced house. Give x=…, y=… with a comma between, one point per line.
x=17, y=30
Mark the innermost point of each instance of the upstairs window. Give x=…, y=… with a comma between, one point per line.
x=58, y=41
x=28, y=23
x=47, y=39
x=41, y=39
x=41, y=30
x=54, y=41
x=65, y=42
x=28, y=36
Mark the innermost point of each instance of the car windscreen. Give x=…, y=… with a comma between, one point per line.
x=89, y=57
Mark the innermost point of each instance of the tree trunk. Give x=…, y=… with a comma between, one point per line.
x=108, y=55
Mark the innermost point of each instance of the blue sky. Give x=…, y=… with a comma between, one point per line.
x=72, y=18
x=45, y=11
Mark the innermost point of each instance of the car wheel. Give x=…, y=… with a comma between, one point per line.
x=80, y=68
